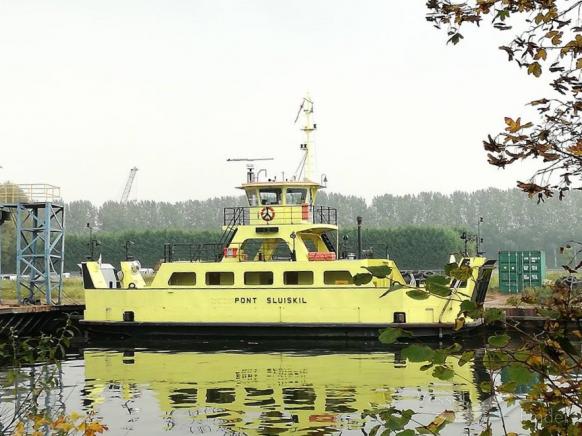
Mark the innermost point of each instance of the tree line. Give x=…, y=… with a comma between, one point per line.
x=511, y=220
x=410, y=228
x=412, y=247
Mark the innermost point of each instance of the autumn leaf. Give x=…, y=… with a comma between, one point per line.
x=459, y=323
x=438, y=423
x=541, y=54
x=19, y=429
x=576, y=149
x=512, y=126
x=534, y=68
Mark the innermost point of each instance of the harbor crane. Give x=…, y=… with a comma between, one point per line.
x=128, y=185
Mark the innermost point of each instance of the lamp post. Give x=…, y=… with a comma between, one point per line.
x=479, y=239
x=92, y=242
x=293, y=236
x=129, y=244
x=359, y=222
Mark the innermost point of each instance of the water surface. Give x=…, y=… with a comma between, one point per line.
x=145, y=391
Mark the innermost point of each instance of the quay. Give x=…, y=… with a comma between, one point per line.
x=33, y=320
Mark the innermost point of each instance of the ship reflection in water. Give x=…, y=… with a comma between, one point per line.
x=236, y=392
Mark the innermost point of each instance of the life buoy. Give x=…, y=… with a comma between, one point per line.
x=267, y=213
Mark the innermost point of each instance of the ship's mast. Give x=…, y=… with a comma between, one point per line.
x=305, y=168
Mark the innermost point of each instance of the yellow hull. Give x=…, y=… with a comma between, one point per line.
x=365, y=308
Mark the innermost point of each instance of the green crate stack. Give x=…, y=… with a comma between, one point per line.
x=521, y=269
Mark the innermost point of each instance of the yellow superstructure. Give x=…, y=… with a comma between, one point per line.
x=275, y=270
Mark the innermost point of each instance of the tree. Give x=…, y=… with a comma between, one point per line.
x=548, y=41
x=547, y=361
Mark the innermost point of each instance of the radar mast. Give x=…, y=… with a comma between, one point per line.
x=305, y=169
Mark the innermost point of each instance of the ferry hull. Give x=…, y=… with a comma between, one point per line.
x=153, y=330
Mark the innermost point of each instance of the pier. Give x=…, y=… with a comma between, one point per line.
x=32, y=320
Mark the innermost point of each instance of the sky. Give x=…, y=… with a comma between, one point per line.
x=90, y=89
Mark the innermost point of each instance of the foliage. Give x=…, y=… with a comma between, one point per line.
x=33, y=373
x=410, y=247
x=512, y=222
x=547, y=361
x=546, y=39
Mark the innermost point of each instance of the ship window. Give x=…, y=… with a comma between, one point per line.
x=252, y=197
x=298, y=277
x=309, y=244
x=220, y=278
x=182, y=279
x=259, y=278
x=296, y=196
x=257, y=249
x=270, y=196
x=337, y=278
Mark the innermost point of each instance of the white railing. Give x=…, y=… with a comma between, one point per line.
x=29, y=193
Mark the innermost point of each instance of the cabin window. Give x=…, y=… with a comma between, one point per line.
x=258, y=278
x=296, y=196
x=337, y=278
x=257, y=249
x=309, y=244
x=182, y=279
x=270, y=196
x=220, y=278
x=298, y=277
x=253, y=198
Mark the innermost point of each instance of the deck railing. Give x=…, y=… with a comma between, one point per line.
x=296, y=214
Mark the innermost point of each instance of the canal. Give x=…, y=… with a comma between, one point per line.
x=254, y=388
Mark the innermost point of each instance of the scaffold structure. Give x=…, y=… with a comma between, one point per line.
x=38, y=214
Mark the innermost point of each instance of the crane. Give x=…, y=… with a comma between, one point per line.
x=128, y=184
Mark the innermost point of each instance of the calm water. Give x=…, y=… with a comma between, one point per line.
x=155, y=391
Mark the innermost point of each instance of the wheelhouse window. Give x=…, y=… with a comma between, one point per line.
x=182, y=279
x=256, y=249
x=310, y=243
x=220, y=278
x=296, y=196
x=298, y=277
x=252, y=197
x=270, y=196
x=337, y=278
x=260, y=278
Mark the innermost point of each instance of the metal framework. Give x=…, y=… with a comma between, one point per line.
x=39, y=217
x=128, y=184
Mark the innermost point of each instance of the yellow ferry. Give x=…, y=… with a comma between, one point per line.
x=275, y=271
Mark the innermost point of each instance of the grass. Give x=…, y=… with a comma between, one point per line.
x=551, y=277
x=72, y=291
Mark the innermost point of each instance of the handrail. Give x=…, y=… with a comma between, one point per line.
x=29, y=193
x=295, y=214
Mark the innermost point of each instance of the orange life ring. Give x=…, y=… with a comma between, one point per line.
x=267, y=213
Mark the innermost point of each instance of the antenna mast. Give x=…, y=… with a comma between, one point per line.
x=251, y=176
x=128, y=184
x=305, y=168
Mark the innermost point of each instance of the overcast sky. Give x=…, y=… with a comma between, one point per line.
x=89, y=89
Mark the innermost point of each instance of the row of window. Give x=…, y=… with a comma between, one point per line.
x=260, y=278
x=275, y=196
